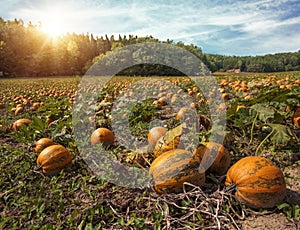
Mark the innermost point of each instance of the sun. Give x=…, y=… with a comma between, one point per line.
x=54, y=22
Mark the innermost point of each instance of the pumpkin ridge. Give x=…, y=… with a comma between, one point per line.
x=168, y=159
x=263, y=184
x=54, y=158
x=185, y=170
x=275, y=175
x=242, y=173
x=171, y=169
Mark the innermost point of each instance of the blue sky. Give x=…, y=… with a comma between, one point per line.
x=242, y=27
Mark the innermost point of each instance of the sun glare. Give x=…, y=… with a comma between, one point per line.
x=54, y=22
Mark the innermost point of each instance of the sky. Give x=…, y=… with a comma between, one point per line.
x=227, y=27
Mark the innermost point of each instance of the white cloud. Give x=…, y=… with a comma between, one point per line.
x=231, y=27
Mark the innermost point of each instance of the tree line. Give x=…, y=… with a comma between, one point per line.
x=267, y=63
x=27, y=51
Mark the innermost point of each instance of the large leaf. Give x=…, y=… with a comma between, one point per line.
x=264, y=112
x=281, y=133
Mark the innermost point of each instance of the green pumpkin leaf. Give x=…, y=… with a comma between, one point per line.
x=282, y=134
x=38, y=124
x=263, y=111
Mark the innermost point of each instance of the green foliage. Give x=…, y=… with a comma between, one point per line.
x=140, y=117
x=291, y=210
x=268, y=63
x=281, y=134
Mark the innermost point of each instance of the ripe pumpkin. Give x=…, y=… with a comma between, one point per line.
x=225, y=96
x=296, y=116
x=182, y=113
x=257, y=182
x=42, y=144
x=155, y=133
x=18, y=123
x=214, y=157
x=53, y=159
x=171, y=169
x=19, y=110
x=157, y=104
x=102, y=136
x=162, y=100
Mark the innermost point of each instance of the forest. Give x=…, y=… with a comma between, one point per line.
x=25, y=50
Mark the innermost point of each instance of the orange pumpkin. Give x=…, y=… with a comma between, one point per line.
x=182, y=113
x=19, y=110
x=155, y=133
x=42, y=144
x=171, y=169
x=296, y=116
x=257, y=182
x=157, y=104
x=162, y=100
x=214, y=157
x=225, y=96
x=23, y=121
x=53, y=159
x=102, y=136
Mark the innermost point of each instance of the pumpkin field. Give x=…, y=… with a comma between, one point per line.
x=253, y=182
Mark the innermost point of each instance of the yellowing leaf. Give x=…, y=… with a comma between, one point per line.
x=173, y=133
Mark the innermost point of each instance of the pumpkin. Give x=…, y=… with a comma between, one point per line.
x=214, y=157
x=162, y=100
x=53, y=159
x=225, y=96
x=18, y=123
x=257, y=182
x=182, y=113
x=19, y=110
x=296, y=116
x=42, y=144
x=169, y=141
x=194, y=105
x=157, y=103
x=171, y=169
x=102, y=136
x=155, y=133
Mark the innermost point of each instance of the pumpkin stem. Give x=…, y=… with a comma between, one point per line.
x=263, y=141
x=230, y=188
